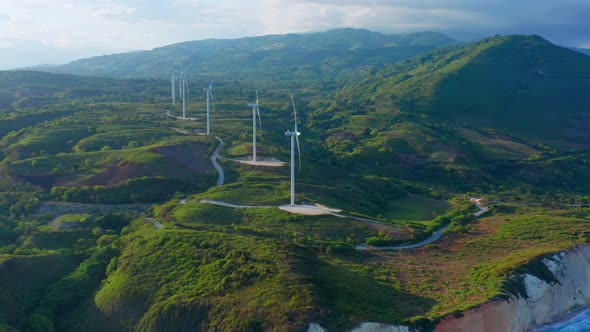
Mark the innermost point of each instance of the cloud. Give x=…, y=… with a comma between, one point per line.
x=562, y=21
x=123, y=25
x=6, y=44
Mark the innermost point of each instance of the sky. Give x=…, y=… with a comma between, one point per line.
x=34, y=32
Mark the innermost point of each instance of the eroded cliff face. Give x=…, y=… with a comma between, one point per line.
x=366, y=327
x=546, y=302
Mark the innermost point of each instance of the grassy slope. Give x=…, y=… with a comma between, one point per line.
x=498, y=83
x=182, y=280
x=451, y=272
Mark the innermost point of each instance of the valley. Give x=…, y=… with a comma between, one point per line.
x=116, y=214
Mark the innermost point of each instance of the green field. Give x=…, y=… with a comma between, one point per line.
x=415, y=208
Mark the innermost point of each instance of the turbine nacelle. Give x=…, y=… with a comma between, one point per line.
x=292, y=133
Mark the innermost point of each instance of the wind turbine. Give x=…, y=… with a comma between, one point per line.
x=294, y=138
x=255, y=111
x=184, y=88
x=209, y=97
x=173, y=82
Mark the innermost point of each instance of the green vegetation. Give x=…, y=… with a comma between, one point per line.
x=415, y=208
x=232, y=278
x=405, y=145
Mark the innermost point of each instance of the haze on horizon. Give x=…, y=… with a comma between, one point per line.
x=34, y=32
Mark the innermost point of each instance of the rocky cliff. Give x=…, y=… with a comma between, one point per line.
x=544, y=302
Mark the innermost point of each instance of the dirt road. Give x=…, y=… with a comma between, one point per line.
x=214, y=158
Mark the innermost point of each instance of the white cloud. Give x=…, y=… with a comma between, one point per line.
x=124, y=25
x=6, y=44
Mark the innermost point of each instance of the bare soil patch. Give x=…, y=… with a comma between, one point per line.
x=260, y=161
x=192, y=156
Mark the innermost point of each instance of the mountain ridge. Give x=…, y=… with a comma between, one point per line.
x=295, y=56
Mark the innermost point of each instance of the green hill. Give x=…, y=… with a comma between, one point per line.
x=516, y=85
x=506, y=110
x=288, y=57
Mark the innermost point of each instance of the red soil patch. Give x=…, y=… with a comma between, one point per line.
x=179, y=158
x=192, y=156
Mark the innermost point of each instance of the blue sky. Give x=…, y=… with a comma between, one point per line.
x=56, y=31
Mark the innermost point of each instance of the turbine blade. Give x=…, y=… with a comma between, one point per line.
x=298, y=152
x=212, y=101
x=294, y=112
x=259, y=120
x=256, y=96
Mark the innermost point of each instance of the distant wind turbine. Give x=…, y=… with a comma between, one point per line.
x=184, y=93
x=255, y=111
x=209, y=98
x=173, y=83
x=294, y=138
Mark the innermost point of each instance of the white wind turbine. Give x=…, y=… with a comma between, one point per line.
x=184, y=93
x=294, y=139
x=209, y=99
x=173, y=83
x=255, y=111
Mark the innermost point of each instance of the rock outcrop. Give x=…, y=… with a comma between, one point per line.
x=546, y=302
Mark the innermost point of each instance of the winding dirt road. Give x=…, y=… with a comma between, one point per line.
x=214, y=158
x=435, y=236
x=235, y=206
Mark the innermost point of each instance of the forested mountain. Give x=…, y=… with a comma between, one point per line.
x=321, y=55
x=516, y=85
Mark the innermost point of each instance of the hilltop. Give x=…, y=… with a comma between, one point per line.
x=321, y=55
x=515, y=85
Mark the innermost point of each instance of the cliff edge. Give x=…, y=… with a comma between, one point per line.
x=544, y=302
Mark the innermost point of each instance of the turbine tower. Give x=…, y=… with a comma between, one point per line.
x=184, y=93
x=294, y=139
x=255, y=111
x=209, y=97
x=173, y=82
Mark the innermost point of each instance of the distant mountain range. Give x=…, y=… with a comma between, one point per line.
x=291, y=56
x=581, y=50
